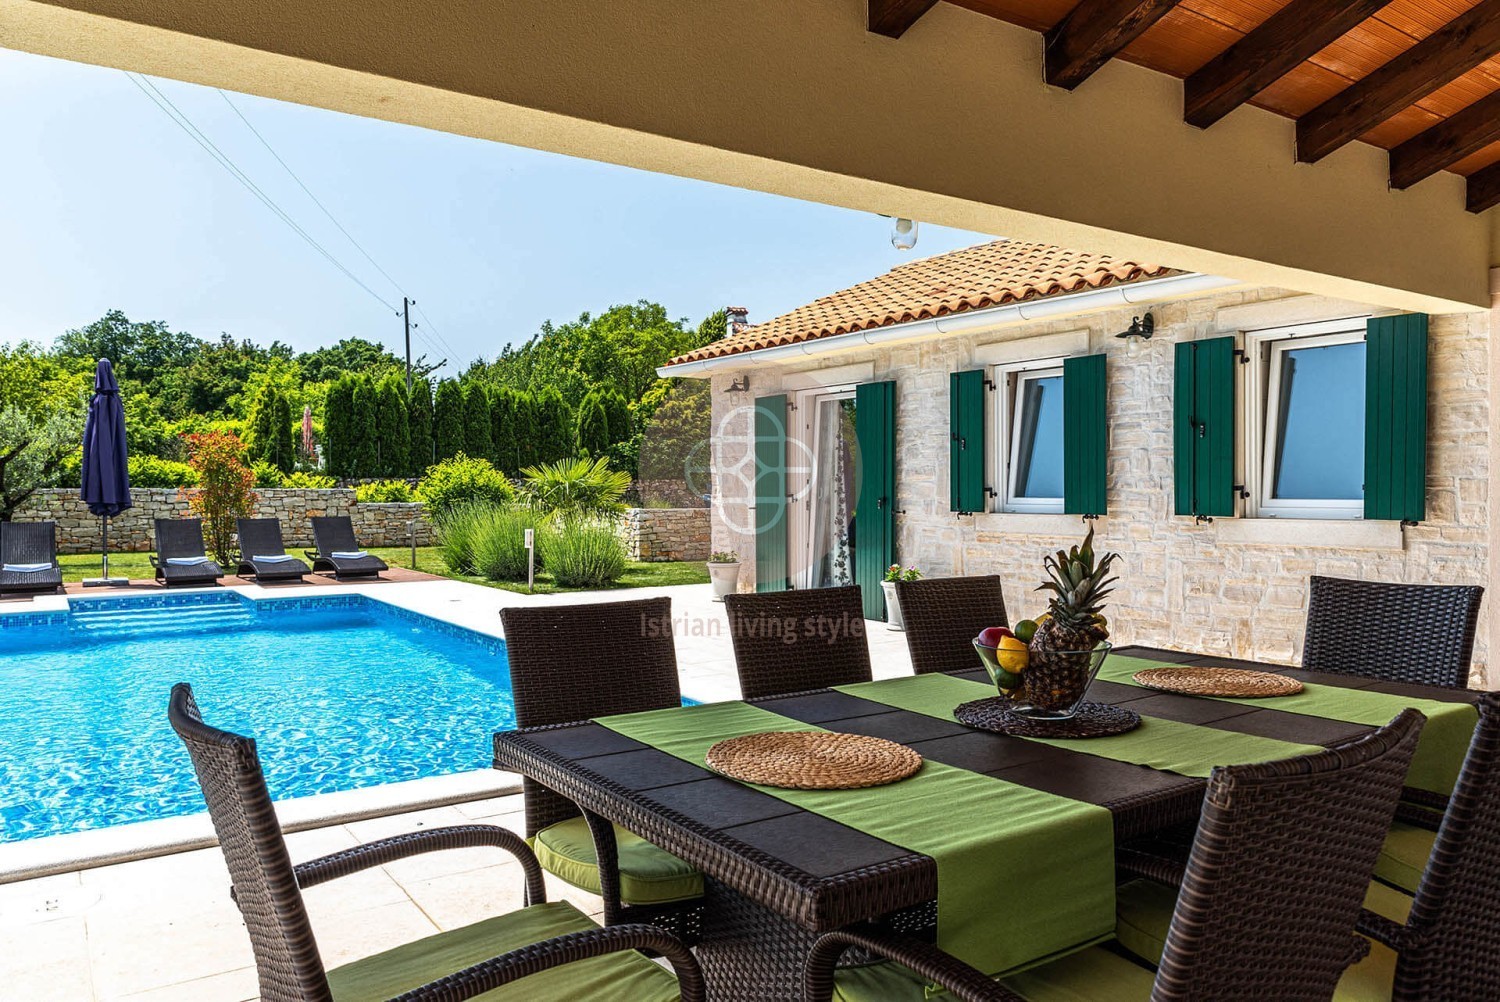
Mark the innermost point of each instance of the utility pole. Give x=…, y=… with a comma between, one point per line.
x=406, y=315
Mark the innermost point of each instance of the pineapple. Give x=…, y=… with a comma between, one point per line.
x=1058, y=671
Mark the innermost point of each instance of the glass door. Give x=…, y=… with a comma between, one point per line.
x=825, y=557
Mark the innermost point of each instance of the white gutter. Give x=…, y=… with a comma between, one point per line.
x=1177, y=286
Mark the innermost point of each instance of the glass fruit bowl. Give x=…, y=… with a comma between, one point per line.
x=1044, y=685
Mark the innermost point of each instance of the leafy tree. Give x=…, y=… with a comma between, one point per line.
x=713, y=327
x=338, y=428
x=224, y=490
x=140, y=350
x=393, y=426
x=593, y=426
x=673, y=443
x=33, y=450
x=351, y=355
x=364, y=450
x=448, y=420
x=554, y=426
x=219, y=372
x=478, y=440
x=419, y=419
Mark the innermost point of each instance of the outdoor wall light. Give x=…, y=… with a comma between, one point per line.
x=739, y=385
x=1138, y=333
x=904, y=234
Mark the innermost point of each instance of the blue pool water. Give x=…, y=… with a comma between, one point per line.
x=341, y=692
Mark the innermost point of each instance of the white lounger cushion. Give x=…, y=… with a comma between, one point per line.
x=349, y=554
x=273, y=558
x=27, y=568
x=187, y=561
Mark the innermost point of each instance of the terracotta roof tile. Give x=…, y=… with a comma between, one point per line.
x=975, y=278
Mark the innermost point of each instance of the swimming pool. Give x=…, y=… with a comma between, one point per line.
x=341, y=692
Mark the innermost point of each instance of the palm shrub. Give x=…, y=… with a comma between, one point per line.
x=576, y=487
x=584, y=552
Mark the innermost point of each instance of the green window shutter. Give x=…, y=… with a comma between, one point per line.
x=1085, y=435
x=770, y=494
x=875, y=507
x=1396, y=418
x=1203, y=427
x=966, y=446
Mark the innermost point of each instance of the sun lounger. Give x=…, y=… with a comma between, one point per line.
x=338, y=551
x=180, y=558
x=262, y=554
x=28, y=558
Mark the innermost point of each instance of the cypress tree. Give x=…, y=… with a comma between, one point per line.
x=337, y=415
x=419, y=421
x=364, y=452
x=617, y=414
x=478, y=440
x=285, y=443
x=554, y=426
x=503, y=429
x=593, y=427
x=394, y=427
x=527, y=433
x=262, y=445
x=448, y=420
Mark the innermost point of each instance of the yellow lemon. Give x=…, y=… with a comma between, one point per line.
x=1012, y=655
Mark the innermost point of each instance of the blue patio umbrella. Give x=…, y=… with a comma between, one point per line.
x=105, y=481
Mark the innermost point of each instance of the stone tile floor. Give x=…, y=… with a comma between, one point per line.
x=165, y=930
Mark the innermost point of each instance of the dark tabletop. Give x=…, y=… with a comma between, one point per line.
x=824, y=875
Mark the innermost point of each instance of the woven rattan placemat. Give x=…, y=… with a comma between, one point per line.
x=1089, y=720
x=1209, y=681
x=813, y=760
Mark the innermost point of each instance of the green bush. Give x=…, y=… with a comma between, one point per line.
x=584, y=553
x=462, y=480
x=305, y=480
x=267, y=475
x=487, y=540
x=150, y=471
x=383, y=490
x=577, y=487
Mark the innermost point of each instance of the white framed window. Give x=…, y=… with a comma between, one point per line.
x=1029, y=434
x=1304, y=421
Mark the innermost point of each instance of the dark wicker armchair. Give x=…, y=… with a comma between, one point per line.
x=791, y=641
x=944, y=615
x=28, y=558
x=1267, y=900
x=540, y=943
x=572, y=663
x=1438, y=936
x=1395, y=632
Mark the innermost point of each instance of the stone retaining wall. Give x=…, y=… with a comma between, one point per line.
x=78, y=531
x=660, y=534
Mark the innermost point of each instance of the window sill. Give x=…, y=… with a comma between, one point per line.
x=1029, y=523
x=1354, y=534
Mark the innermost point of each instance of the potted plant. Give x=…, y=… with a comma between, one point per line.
x=724, y=572
x=894, y=573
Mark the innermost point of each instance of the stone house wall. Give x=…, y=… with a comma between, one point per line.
x=78, y=530
x=658, y=534
x=1231, y=586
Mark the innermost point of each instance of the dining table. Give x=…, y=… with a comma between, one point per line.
x=1000, y=847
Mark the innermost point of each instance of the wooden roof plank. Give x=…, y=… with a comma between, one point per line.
x=1441, y=57
x=1093, y=33
x=1484, y=188
x=1291, y=35
x=1447, y=142
x=891, y=18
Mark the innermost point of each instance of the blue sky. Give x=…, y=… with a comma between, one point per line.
x=108, y=204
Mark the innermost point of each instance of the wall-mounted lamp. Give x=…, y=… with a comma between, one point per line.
x=903, y=232
x=1138, y=333
x=739, y=385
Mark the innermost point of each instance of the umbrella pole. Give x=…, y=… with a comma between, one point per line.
x=105, y=580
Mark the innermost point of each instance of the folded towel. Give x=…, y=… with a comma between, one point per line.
x=188, y=561
x=272, y=558
x=349, y=554
x=27, y=568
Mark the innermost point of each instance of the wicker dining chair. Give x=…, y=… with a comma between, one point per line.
x=560, y=953
x=791, y=641
x=575, y=662
x=1265, y=908
x=944, y=615
x=1394, y=632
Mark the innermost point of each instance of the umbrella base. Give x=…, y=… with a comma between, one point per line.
x=106, y=582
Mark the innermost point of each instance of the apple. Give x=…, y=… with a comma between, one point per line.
x=990, y=636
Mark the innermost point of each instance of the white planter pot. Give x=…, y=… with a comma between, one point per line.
x=893, y=620
x=725, y=579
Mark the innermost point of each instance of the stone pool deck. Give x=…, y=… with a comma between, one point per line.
x=163, y=929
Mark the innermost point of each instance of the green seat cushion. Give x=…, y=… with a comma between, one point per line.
x=648, y=875
x=1405, y=855
x=1143, y=910
x=1371, y=979
x=1092, y=975
x=625, y=976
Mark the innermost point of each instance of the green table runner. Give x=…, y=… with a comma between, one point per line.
x=1022, y=874
x=1440, y=750
x=1186, y=749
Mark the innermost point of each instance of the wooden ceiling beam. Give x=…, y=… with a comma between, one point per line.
x=1093, y=33
x=1269, y=52
x=1484, y=188
x=1446, y=54
x=891, y=18
x=1447, y=142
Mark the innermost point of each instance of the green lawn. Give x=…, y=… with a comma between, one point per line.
x=78, y=566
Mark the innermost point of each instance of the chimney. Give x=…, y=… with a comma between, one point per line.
x=738, y=318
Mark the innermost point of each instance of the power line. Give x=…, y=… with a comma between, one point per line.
x=183, y=122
